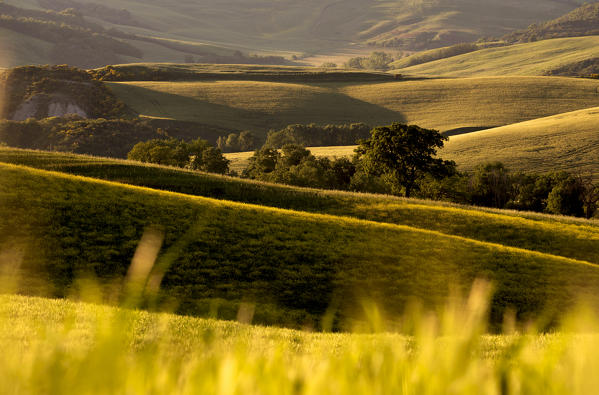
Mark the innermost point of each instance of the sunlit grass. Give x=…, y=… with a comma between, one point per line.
x=568, y=142
x=436, y=103
x=292, y=265
x=52, y=346
x=562, y=236
x=533, y=58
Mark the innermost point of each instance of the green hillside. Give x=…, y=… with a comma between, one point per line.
x=293, y=265
x=535, y=58
x=439, y=103
x=562, y=236
x=563, y=142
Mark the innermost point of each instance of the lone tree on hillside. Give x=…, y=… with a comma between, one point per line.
x=404, y=154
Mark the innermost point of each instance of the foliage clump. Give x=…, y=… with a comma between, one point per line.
x=295, y=165
x=313, y=135
x=238, y=142
x=196, y=154
x=376, y=61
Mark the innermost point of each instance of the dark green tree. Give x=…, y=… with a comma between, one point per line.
x=210, y=160
x=264, y=161
x=566, y=197
x=491, y=185
x=403, y=154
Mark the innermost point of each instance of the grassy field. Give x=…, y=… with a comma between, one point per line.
x=65, y=347
x=562, y=236
x=293, y=265
x=440, y=103
x=17, y=49
x=563, y=142
x=527, y=59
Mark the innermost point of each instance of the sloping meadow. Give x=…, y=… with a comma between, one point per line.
x=561, y=236
x=292, y=268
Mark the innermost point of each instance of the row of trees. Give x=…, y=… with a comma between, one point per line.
x=313, y=135
x=401, y=160
x=376, y=61
x=393, y=160
x=310, y=135
x=493, y=185
x=397, y=159
x=237, y=142
x=196, y=155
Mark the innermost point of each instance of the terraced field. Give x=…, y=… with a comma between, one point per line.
x=561, y=236
x=322, y=26
x=18, y=49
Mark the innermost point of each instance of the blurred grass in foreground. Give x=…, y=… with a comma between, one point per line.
x=52, y=346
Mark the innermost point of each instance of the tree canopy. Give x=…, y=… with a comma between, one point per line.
x=197, y=154
x=404, y=154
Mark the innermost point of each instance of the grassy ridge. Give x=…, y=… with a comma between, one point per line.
x=234, y=72
x=567, y=142
x=527, y=59
x=561, y=236
x=293, y=265
x=439, y=103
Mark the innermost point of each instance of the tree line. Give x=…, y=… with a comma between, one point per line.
x=401, y=160
x=310, y=135
x=397, y=159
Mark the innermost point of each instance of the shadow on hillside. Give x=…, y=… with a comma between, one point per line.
x=318, y=107
x=467, y=129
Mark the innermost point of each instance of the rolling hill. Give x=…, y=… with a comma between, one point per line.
x=286, y=27
x=436, y=103
x=528, y=59
x=561, y=236
x=563, y=142
x=567, y=142
x=583, y=21
x=293, y=265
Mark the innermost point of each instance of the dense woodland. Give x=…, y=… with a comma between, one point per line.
x=197, y=154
